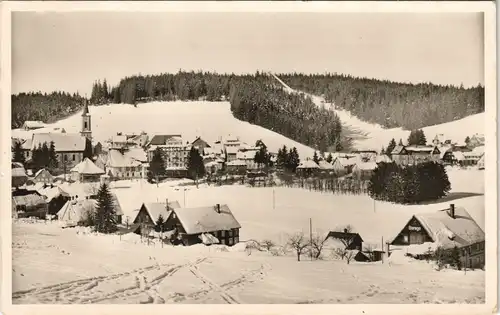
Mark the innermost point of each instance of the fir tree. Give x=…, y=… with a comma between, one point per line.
x=18, y=155
x=282, y=158
x=261, y=157
x=293, y=160
x=87, y=153
x=329, y=158
x=417, y=137
x=53, y=164
x=316, y=157
x=160, y=224
x=196, y=168
x=45, y=156
x=105, y=217
x=390, y=147
x=157, y=166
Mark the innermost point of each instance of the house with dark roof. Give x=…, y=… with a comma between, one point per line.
x=447, y=228
x=207, y=225
x=18, y=174
x=150, y=212
x=414, y=154
x=28, y=203
x=345, y=240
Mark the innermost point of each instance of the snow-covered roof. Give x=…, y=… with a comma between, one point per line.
x=30, y=200
x=49, y=192
x=63, y=142
x=398, y=149
x=87, y=167
x=155, y=209
x=419, y=148
x=81, y=190
x=214, y=150
x=479, y=149
x=210, y=164
x=117, y=159
x=206, y=219
x=19, y=172
x=324, y=165
x=383, y=158
x=41, y=171
x=449, y=232
x=308, y=164
x=443, y=150
x=162, y=139
x=119, y=139
x=366, y=166
x=346, y=161
x=74, y=210
x=31, y=124
x=458, y=155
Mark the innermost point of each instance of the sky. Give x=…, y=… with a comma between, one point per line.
x=69, y=51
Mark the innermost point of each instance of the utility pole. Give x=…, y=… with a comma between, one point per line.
x=311, y=237
x=274, y=199
x=382, y=248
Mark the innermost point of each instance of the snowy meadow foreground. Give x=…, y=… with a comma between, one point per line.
x=55, y=265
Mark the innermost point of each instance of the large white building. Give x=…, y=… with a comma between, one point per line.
x=174, y=150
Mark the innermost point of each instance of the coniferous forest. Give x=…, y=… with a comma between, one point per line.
x=42, y=106
x=261, y=100
x=389, y=103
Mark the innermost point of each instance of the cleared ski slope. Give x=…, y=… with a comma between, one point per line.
x=376, y=136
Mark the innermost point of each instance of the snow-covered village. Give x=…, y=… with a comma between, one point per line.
x=274, y=187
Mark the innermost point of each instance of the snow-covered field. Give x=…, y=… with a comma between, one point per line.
x=378, y=136
x=54, y=265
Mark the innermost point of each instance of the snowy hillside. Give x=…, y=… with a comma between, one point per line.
x=376, y=136
x=210, y=120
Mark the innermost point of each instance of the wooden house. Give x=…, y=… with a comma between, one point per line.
x=28, y=203
x=207, y=225
x=448, y=228
x=33, y=125
x=345, y=240
x=307, y=168
x=149, y=213
x=122, y=165
x=43, y=176
x=414, y=154
x=18, y=174
x=343, y=165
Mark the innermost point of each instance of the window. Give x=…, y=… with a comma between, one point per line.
x=65, y=157
x=405, y=238
x=85, y=124
x=73, y=157
x=222, y=234
x=230, y=241
x=236, y=239
x=236, y=232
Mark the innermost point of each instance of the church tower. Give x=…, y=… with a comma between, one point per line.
x=86, y=123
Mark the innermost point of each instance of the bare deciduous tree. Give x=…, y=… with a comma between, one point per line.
x=346, y=229
x=349, y=256
x=299, y=243
x=267, y=244
x=317, y=244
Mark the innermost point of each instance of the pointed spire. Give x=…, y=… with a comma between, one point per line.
x=85, y=108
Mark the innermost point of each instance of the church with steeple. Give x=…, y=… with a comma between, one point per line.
x=86, y=123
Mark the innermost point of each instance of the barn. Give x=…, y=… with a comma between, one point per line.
x=207, y=225
x=345, y=239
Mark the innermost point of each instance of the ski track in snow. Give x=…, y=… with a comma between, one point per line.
x=142, y=284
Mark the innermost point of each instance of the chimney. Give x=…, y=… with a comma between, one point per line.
x=217, y=208
x=452, y=210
